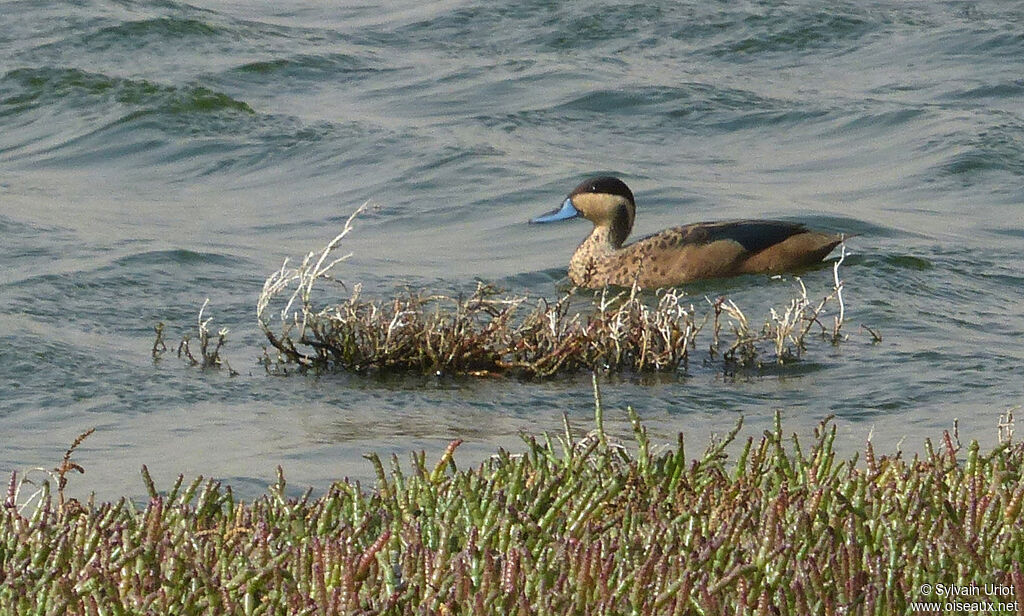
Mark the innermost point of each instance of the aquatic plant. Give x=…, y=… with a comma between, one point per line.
x=209, y=349
x=570, y=526
x=486, y=333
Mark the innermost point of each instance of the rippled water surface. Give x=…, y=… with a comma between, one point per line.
x=153, y=154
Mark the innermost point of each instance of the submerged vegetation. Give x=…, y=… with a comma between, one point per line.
x=571, y=526
x=486, y=333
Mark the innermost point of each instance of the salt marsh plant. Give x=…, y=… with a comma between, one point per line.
x=209, y=351
x=568, y=526
x=487, y=333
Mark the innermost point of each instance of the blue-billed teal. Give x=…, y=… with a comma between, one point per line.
x=680, y=254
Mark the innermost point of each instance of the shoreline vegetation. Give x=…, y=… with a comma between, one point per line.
x=573, y=525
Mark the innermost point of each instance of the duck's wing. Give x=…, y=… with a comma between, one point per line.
x=753, y=235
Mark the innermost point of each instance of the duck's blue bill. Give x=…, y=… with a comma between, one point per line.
x=565, y=212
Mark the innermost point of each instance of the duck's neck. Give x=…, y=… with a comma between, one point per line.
x=603, y=240
x=592, y=256
x=621, y=225
x=610, y=236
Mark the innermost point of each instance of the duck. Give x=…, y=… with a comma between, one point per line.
x=678, y=255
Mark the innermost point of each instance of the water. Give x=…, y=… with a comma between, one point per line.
x=153, y=154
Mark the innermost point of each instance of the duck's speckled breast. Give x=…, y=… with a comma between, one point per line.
x=656, y=261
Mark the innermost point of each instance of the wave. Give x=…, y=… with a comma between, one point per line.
x=65, y=116
x=994, y=148
x=71, y=87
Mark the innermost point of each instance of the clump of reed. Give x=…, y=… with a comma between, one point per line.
x=209, y=351
x=570, y=526
x=486, y=333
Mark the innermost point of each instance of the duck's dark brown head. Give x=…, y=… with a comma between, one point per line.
x=605, y=201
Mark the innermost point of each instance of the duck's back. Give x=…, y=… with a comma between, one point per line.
x=752, y=235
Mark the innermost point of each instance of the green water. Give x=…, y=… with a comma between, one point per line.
x=153, y=154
